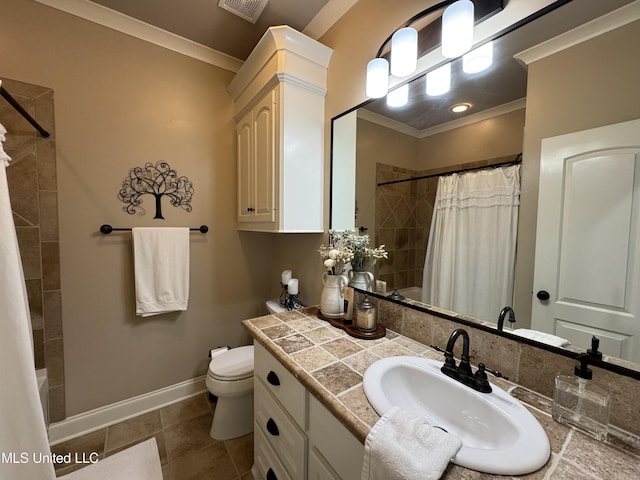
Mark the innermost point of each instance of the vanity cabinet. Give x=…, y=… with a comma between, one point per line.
x=278, y=98
x=295, y=436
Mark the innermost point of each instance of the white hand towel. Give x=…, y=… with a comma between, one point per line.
x=161, y=263
x=543, y=337
x=402, y=446
x=139, y=462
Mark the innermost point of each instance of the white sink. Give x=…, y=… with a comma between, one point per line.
x=499, y=435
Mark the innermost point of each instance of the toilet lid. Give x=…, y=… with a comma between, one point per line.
x=234, y=364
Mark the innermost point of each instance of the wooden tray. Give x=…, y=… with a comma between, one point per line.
x=379, y=332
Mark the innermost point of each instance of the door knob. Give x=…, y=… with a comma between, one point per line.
x=543, y=295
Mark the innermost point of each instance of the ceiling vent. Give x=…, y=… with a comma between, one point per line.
x=249, y=10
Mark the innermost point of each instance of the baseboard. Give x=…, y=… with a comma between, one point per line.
x=92, y=420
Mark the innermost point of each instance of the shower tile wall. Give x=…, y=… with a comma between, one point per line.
x=403, y=219
x=34, y=201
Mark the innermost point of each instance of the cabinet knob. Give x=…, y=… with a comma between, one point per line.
x=271, y=475
x=272, y=378
x=251, y=209
x=272, y=428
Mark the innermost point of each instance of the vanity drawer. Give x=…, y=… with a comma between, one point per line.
x=282, y=384
x=285, y=437
x=266, y=464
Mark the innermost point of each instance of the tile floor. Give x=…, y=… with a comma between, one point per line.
x=187, y=452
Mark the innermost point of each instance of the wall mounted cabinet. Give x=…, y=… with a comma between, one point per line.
x=279, y=111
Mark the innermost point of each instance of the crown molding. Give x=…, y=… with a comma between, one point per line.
x=387, y=122
x=130, y=26
x=599, y=26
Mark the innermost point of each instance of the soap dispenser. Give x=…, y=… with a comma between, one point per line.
x=580, y=403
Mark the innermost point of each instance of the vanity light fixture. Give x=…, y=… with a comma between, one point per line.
x=457, y=29
x=404, y=52
x=439, y=80
x=457, y=38
x=398, y=97
x=478, y=59
x=377, y=78
x=460, y=107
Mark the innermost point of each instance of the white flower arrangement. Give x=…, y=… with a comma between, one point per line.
x=349, y=247
x=336, y=256
x=364, y=257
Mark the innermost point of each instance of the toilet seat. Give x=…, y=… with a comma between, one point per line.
x=234, y=364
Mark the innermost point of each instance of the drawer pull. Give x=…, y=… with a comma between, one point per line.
x=272, y=378
x=272, y=428
x=271, y=475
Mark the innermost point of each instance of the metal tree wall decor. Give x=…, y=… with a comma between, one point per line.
x=158, y=180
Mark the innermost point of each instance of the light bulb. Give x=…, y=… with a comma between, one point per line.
x=404, y=52
x=439, y=80
x=457, y=29
x=398, y=97
x=478, y=59
x=377, y=78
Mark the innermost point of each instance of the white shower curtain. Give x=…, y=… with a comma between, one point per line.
x=472, y=243
x=23, y=436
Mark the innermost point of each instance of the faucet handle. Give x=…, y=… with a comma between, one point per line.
x=481, y=380
x=449, y=363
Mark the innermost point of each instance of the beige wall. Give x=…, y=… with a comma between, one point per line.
x=121, y=102
x=491, y=138
x=590, y=85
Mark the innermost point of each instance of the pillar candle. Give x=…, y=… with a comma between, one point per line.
x=286, y=276
x=292, y=286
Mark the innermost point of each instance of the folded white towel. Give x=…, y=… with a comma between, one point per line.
x=543, y=337
x=401, y=445
x=161, y=263
x=140, y=462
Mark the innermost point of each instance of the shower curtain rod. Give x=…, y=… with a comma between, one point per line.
x=107, y=229
x=13, y=102
x=517, y=160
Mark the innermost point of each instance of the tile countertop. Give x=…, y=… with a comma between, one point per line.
x=331, y=364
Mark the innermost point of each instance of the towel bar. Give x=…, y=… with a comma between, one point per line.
x=107, y=229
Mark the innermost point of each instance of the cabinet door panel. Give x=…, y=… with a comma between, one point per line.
x=245, y=160
x=265, y=154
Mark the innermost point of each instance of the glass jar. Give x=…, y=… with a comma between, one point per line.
x=366, y=316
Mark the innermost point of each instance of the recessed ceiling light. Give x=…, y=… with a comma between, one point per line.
x=460, y=107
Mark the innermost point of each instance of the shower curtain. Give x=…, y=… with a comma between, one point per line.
x=23, y=435
x=469, y=265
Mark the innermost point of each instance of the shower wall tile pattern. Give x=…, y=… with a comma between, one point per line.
x=34, y=201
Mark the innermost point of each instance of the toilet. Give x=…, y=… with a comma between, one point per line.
x=230, y=378
x=274, y=306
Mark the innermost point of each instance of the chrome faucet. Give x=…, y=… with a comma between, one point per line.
x=463, y=373
x=503, y=313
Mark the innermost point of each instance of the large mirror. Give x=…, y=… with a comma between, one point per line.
x=386, y=163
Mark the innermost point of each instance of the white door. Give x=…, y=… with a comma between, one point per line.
x=587, y=239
